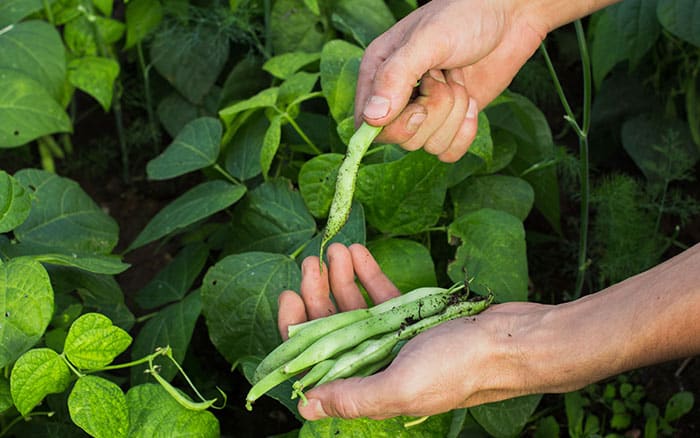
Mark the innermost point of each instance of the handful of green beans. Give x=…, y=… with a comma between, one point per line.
x=359, y=342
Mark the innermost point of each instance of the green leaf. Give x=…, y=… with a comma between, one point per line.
x=93, y=341
x=175, y=280
x=98, y=264
x=244, y=79
x=607, y=47
x=194, y=148
x=12, y=11
x=243, y=151
x=340, y=64
x=174, y=112
x=317, y=182
x=272, y=218
x=99, y=407
x=285, y=65
x=104, y=6
x=190, y=61
x=36, y=374
x=678, y=405
x=239, y=297
x=295, y=28
x=407, y=263
x=296, y=87
x=172, y=326
x=15, y=202
x=506, y=418
x=405, y=196
x=35, y=49
x=26, y=307
x=64, y=217
x=363, y=19
x=95, y=76
x=27, y=110
x=434, y=426
x=194, y=205
x=529, y=127
x=155, y=414
x=499, y=192
x=680, y=17
x=354, y=231
x=639, y=27
x=271, y=143
x=264, y=99
x=142, y=17
x=492, y=252
x=5, y=396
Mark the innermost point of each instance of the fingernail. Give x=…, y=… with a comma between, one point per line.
x=414, y=122
x=456, y=75
x=472, y=109
x=315, y=410
x=376, y=108
x=437, y=75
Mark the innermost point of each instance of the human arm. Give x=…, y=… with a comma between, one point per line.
x=511, y=349
x=464, y=53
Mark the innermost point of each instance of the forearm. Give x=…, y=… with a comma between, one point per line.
x=650, y=318
x=551, y=14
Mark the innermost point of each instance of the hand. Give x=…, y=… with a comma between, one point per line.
x=457, y=364
x=464, y=52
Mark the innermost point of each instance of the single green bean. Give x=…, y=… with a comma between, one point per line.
x=314, y=375
x=366, y=353
x=345, y=182
x=270, y=381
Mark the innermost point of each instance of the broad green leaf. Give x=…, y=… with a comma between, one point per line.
x=404, y=196
x=285, y=65
x=104, y=6
x=5, y=396
x=340, y=64
x=295, y=28
x=243, y=151
x=639, y=27
x=244, y=79
x=27, y=110
x=142, y=17
x=317, y=182
x=504, y=150
x=100, y=293
x=271, y=142
x=363, y=19
x=434, y=426
x=98, y=264
x=264, y=99
x=492, y=252
x=506, y=418
x=528, y=126
x=295, y=88
x=36, y=374
x=176, y=279
x=190, y=61
x=680, y=17
x=194, y=205
x=15, y=202
x=64, y=217
x=93, y=341
x=678, y=405
x=26, y=306
x=271, y=218
x=607, y=47
x=153, y=413
x=99, y=407
x=239, y=297
x=172, y=326
x=95, y=76
x=354, y=231
x=174, y=112
x=499, y=192
x=194, y=148
x=407, y=263
x=12, y=11
x=35, y=49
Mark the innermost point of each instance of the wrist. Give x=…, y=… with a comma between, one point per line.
x=545, y=16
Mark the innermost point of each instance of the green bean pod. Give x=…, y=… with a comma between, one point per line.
x=345, y=182
x=366, y=353
x=290, y=348
x=265, y=384
x=314, y=375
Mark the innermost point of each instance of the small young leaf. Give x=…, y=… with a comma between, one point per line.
x=93, y=341
x=99, y=407
x=26, y=306
x=154, y=413
x=271, y=143
x=194, y=148
x=15, y=202
x=36, y=374
x=680, y=404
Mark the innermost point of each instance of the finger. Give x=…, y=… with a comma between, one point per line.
x=342, y=277
x=291, y=311
x=441, y=139
x=378, y=285
x=405, y=126
x=465, y=135
x=315, y=289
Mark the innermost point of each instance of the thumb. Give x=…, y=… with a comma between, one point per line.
x=347, y=398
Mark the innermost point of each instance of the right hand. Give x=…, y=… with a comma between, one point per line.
x=464, y=52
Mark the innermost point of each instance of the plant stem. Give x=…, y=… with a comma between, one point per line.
x=145, y=69
x=226, y=175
